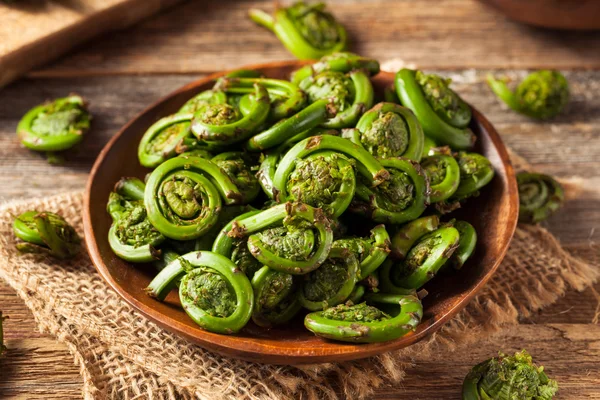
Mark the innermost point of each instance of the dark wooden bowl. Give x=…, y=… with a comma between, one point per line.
x=494, y=215
x=556, y=14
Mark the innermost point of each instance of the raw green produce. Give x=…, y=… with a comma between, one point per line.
x=539, y=196
x=46, y=232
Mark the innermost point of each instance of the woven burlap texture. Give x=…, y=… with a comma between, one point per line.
x=123, y=355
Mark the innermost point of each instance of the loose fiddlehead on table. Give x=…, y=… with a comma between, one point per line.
x=425, y=258
x=445, y=117
x=333, y=282
x=46, y=232
x=223, y=124
x=307, y=31
x=275, y=297
x=365, y=322
x=541, y=95
x=401, y=198
x=55, y=126
x=131, y=235
x=339, y=62
x=212, y=290
x=508, y=377
x=183, y=196
x=389, y=130
x=349, y=95
x=539, y=196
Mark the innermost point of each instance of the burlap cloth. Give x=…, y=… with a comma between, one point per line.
x=123, y=355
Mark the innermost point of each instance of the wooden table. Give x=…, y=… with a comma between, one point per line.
x=122, y=73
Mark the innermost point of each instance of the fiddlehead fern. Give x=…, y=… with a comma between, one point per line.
x=331, y=283
x=237, y=165
x=307, y=31
x=224, y=124
x=202, y=100
x=444, y=176
x=338, y=62
x=371, y=252
x=442, y=113
x=466, y=243
x=539, y=196
x=541, y=95
x=388, y=130
x=55, y=126
x=46, y=232
x=131, y=236
x=365, y=323
x=275, y=297
x=425, y=258
x=508, y=377
x=286, y=97
x=162, y=140
x=183, y=196
x=401, y=198
x=476, y=171
x=405, y=237
x=349, y=95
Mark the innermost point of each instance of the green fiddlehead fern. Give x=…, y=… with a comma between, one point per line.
x=541, y=95
x=307, y=31
x=275, y=297
x=55, y=126
x=508, y=377
x=162, y=140
x=429, y=147
x=371, y=252
x=540, y=196
x=238, y=166
x=466, y=243
x=388, y=130
x=386, y=283
x=365, y=323
x=338, y=62
x=293, y=237
x=401, y=198
x=476, y=171
x=223, y=124
x=332, y=283
x=444, y=176
x=214, y=293
x=425, y=258
x=131, y=235
x=183, y=196
x=349, y=95
x=202, y=100
x=286, y=97
x=406, y=236
x=442, y=113
x=46, y=232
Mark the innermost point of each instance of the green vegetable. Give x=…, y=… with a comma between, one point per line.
x=202, y=100
x=541, y=95
x=46, y=232
x=388, y=130
x=476, y=171
x=364, y=323
x=162, y=140
x=425, y=258
x=444, y=176
x=371, y=252
x=275, y=297
x=181, y=199
x=349, y=95
x=386, y=283
x=540, y=196
x=466, y=243
x=332, y=283
x=508, y=378
x=238, y=166
x=307, y=31
x=131, y=235
x=223, y=124
x=401, y=198
x=442, y=113
x=406, y=235
x=55, y=126
x=339, y=62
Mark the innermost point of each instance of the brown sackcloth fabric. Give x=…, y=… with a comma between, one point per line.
x=122, y=355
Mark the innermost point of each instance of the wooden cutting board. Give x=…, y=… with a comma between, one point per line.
x=33, y=32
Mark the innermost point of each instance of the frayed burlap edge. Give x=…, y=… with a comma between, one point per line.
x=123, y=355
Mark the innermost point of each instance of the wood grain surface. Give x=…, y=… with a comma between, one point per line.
x=124, y=72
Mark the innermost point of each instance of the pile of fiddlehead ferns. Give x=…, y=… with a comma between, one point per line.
x=270, y=196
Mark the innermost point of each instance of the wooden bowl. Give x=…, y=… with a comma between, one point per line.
x=494, y=215
x=557, y=14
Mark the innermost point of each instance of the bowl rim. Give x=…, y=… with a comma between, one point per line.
x=247, y=348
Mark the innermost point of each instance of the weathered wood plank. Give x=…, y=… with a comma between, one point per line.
x=210, y=35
